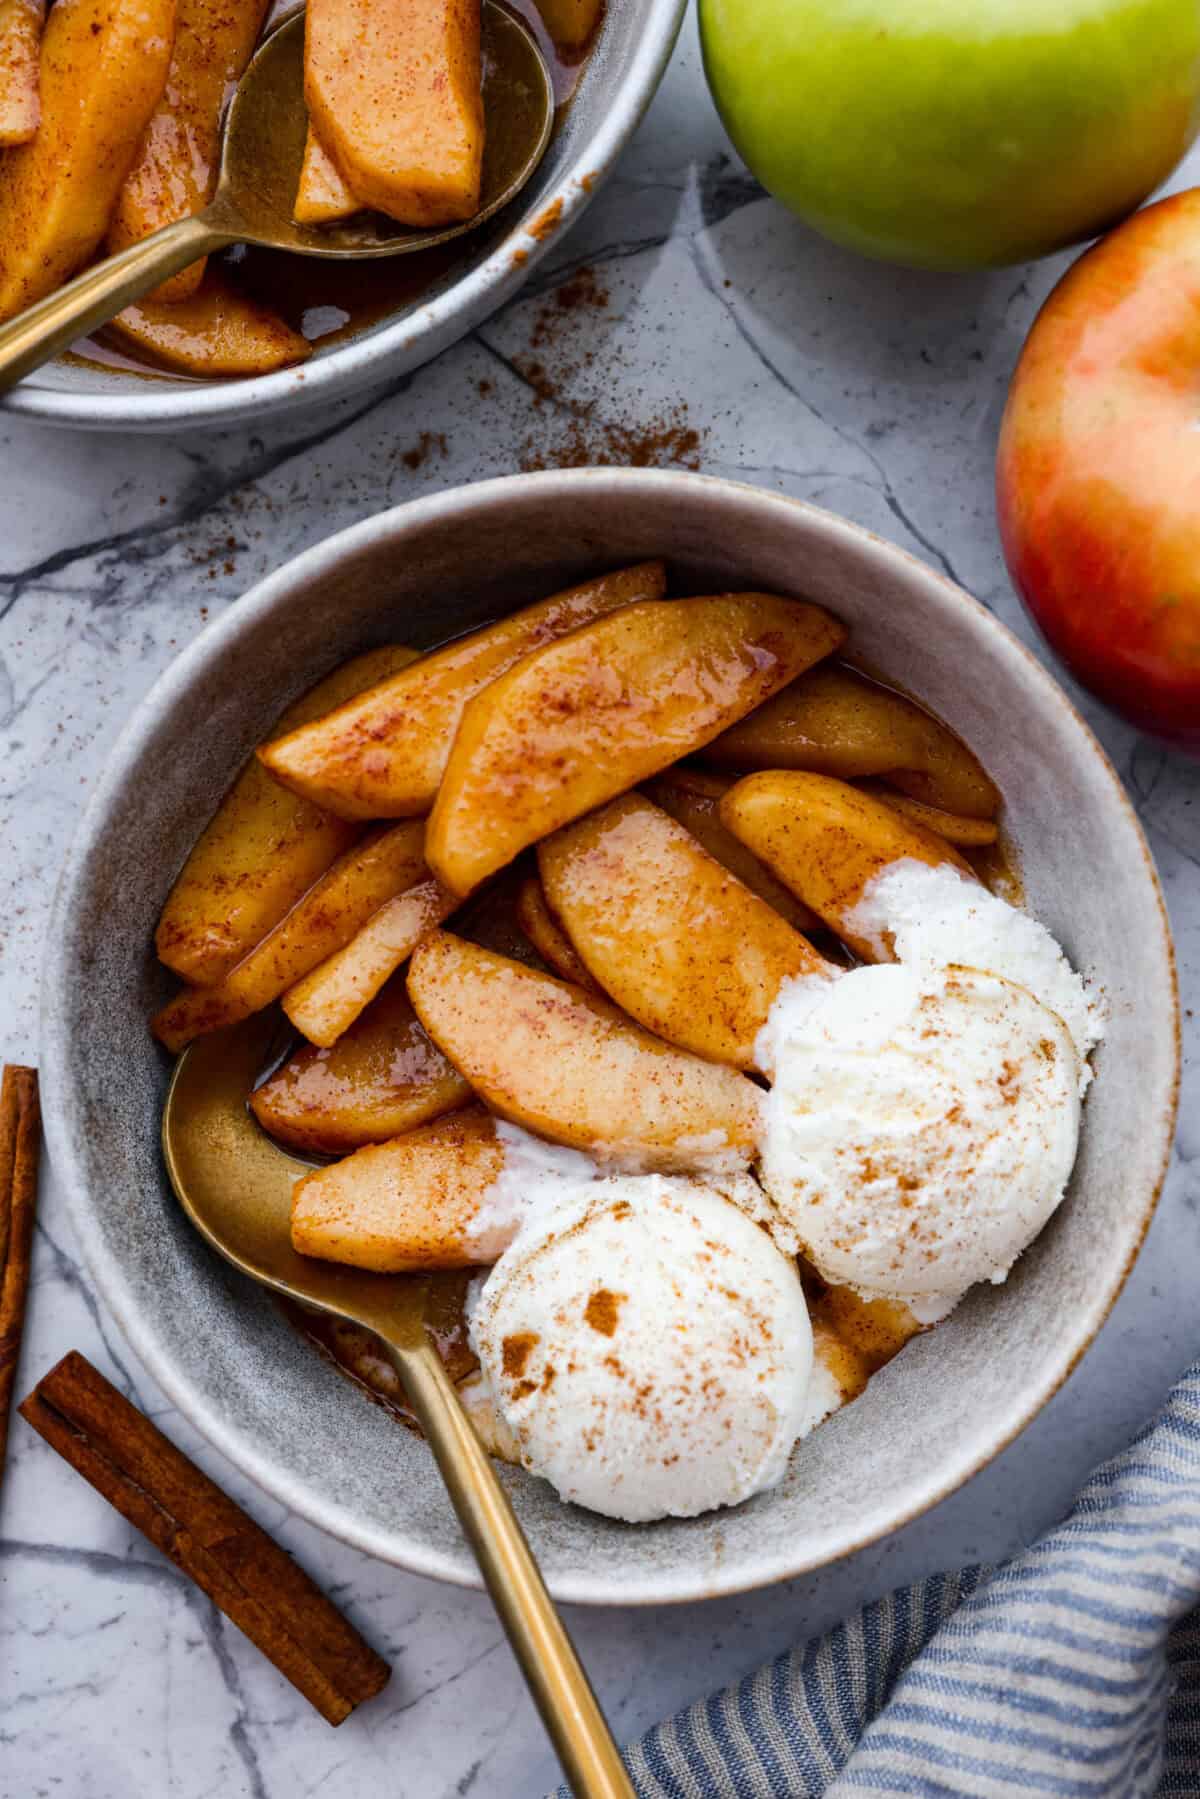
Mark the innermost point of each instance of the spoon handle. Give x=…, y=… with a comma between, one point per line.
x=552, y=1670
x=96, y=296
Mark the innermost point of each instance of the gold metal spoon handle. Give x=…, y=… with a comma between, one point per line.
x=555, y=1677
x=99, y=294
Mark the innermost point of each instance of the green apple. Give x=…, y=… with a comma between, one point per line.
x=956, y=133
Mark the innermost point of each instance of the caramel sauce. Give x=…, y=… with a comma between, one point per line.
x=356, y=1353
x=328, y=302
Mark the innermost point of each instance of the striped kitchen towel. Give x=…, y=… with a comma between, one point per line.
x=1073, y=1670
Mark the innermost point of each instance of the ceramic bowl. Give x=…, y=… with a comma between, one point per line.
x=622, y=74
x=219, y=1347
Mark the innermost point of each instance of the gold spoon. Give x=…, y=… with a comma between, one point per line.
x=260, y=169
x=236, y=1187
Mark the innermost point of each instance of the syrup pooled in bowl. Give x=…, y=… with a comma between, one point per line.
x=328, y=302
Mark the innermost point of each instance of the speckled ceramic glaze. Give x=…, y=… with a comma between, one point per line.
x=623, y=72
x=219, y=1348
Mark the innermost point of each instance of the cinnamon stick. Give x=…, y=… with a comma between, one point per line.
x=20, y=1135
x=184, y=1514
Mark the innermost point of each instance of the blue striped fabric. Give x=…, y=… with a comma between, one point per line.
x=1073, y=1671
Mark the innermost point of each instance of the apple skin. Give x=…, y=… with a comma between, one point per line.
x=956, y=135
x=1098, y=470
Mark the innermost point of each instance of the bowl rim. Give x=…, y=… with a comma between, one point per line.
x=442, y=321
x=104, y=1266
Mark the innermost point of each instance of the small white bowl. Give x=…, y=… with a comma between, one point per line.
x=619, y=82
x=219, y=1347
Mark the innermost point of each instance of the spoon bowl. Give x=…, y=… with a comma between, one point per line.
x=261, y=154
x=236, y=1185
x=267, y=126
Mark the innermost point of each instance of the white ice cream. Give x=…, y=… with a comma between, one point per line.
x=647, y=1345
x=920, y=1131
x=925, y=1112
x=930, y=918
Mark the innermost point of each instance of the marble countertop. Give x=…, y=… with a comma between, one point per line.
x=712, y=329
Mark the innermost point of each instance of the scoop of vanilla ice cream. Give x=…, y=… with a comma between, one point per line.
x=930, y=918
x=647, y=1345
x=921, y=1129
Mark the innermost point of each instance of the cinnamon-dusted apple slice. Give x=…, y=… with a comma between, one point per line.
x=326, y=1002
x=589, y=716
x=102, y=67
x=968, y=833
x=873, y=1330
x=379, y=866
x=322, y=196
x=215, y=331
x=835, y=721
x=263, y=849
x=548, y=937
x=570, y=1067
x=383, y=1077
x=383, y=754
x=175, y=170
x=828, y=841
x=393, y=88
x=20, y=42
x=694, y=798
x=672, y=936
x=419, y=1201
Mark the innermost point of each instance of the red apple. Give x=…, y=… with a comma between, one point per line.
x=1098, y=472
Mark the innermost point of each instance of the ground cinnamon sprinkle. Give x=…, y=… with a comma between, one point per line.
x=428, y=444
x=601, y=1311
x=579, y=435
x=582, y=289
x=545, y=223
x=666, y=441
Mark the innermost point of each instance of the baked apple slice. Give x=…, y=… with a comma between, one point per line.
x=570, y=1067
x=828, y=841
x=394, y=90
x=672, y=936
x=20, y=48
x=379, y=866
x=548, y=937
x=595, y=713
x=327, y=1001
x=322, y=197
x=214, y=332
x=384, y=1076
x=694, y=798
x=175, y=170
x=835, y=721
x=263, y=849
x=416, y=1202
x=102, y=70
x=383, y=754
x=968, y=833
x=873, y=1330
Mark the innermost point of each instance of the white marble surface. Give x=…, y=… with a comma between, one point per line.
x=873, y=392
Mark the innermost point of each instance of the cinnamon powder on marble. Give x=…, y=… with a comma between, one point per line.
x=581, y=435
